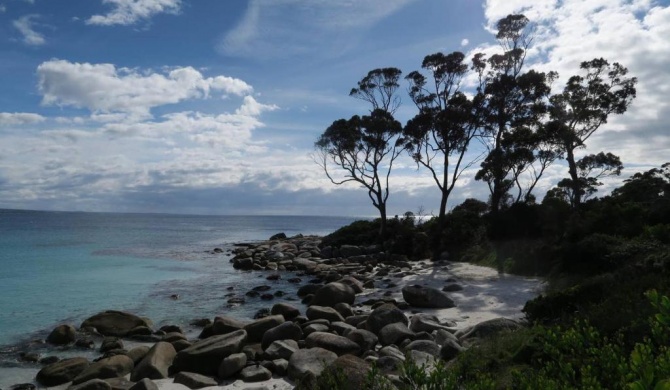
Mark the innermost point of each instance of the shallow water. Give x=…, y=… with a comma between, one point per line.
x=63, y=267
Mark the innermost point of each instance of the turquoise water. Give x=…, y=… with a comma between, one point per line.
x=63, y=267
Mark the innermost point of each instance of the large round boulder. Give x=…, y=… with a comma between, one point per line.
x=205, y=356
x=310, y=361
x=332, y=342
x=394, y=333
x=286, y=331
x=385, y=314
x=354, y=368
x=323, y=313
x=62, y=335
x=114, y=323
x=112, y=367
x=256, y=329
x=224, y=325
x=427, y=297
x=155, y=363
x=334, y=293
x=62, y=371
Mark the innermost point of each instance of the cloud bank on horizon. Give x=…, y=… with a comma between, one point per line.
x=224, y=121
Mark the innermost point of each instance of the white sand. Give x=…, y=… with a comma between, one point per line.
x=486, y=295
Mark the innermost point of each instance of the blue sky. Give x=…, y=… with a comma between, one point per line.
x=212, y=107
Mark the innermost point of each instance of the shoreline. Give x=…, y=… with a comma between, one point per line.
x=482, y=293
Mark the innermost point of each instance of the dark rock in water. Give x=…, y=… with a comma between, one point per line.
x=428, y=297
x=173, y=336
x=452, y=287
x=232, y=365
x=114, y=323
x=310, y=361
x=218, y=250
x=112, y=367
x=262, y=288
x=308, y=289
x=62, y=335
x=30, y=357
x=201, y=322
x=144, y=384
x=267, y=297
x=384, y=315
x=256, y=329
x=171, y=328
x=334, y=293
x=85, y=343
x=49, y=360
x=315, y=281
x=236, y=301
x=273, y=277
x=61, y=372
x=140, y=331
x=278, y=236
x=255, y=374
x=23, y=386
x=294, y=280
x=110, y=343
x=156, y=363
x=205, y=356
x=193, y=380
x=93, y=384
x=251, y=294
x=279, y=294
x=261, y=313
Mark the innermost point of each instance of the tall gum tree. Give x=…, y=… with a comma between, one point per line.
x=365, y=147
x=514, y=104
x=438, y=137
x=578, y=112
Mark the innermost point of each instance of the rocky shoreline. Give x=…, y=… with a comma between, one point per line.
x=363, y=307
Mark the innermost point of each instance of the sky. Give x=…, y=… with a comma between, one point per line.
x=213, y=107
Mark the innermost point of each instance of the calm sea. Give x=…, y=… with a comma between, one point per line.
x=60, y=267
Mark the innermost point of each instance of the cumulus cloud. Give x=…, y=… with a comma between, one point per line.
x=25, y=25
x=19, y=118
x=631, y=32
x=128, y=12
x=287, y=27
x=104, y=88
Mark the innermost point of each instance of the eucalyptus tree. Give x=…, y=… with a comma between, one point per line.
x=514, y=102
x=440, y=134
x=578, y=112
x=365, y=147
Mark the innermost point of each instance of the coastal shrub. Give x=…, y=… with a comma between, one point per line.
x=580, y=356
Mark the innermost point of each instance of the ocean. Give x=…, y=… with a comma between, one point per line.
x=62, y=267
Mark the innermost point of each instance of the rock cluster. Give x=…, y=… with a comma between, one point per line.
x=330, y=335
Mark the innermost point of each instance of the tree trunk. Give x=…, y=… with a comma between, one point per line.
x=382, y=217
x=576, y=187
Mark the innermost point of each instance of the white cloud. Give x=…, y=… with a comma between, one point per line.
x=127, y=12
x=25, y=26
x=105, y=89
x=465, y=42
x=287, y=27
x=20, y=118
x=3, y=9
x=631, y=32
